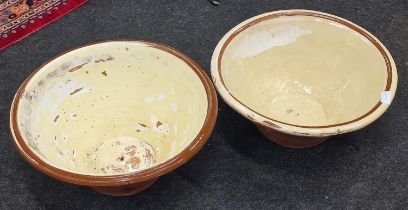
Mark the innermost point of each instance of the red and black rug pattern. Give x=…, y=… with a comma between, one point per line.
x=20, y=18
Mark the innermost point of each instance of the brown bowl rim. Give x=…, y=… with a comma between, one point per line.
x=120, y=179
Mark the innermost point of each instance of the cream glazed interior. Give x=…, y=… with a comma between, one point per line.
x=302, y=70
x=112, y=108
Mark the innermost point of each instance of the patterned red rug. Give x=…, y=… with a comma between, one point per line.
x=20, y=18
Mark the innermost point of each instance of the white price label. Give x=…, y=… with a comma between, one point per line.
x=386, y=97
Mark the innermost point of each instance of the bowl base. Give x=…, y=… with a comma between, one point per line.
x=125, y=190
x=290, y=141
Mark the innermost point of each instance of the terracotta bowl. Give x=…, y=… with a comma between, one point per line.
x=302, y=76
x=113, y=116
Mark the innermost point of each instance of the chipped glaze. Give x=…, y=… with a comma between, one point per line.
x=71, y=115
x=114, y=108
x=304, y=73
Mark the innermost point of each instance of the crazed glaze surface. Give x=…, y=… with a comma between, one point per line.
x=112, y=108
x=304, y=71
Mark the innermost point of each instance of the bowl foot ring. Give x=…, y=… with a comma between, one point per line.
x=290, y=141
x=125, y=190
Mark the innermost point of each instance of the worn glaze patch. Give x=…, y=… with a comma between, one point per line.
x=112, y=108
x=260, y=41
x=304, y=70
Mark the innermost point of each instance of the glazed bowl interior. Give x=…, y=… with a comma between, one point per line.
x=302, y=69
x=111, y=108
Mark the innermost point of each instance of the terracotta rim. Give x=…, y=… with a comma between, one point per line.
x=289, y=128
x=122, y=179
